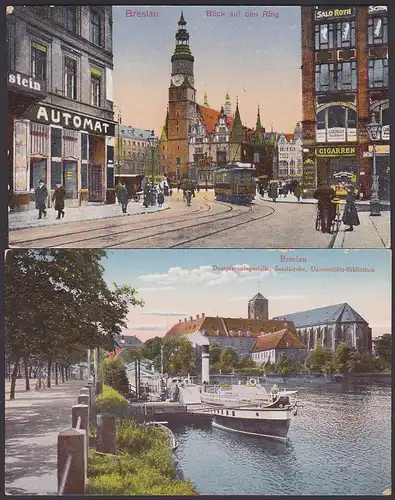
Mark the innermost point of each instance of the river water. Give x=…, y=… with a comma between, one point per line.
x=339, y=444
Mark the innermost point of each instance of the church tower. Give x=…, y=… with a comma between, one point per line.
x=258, y=307
x=227, y=105
x=182, y=104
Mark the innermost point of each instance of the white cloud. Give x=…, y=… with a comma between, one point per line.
x=285, y=297
x=208, y=275
x=144, y=328
x=155, y=289
x=160, y=313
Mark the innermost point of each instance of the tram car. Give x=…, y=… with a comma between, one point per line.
x=235, y=183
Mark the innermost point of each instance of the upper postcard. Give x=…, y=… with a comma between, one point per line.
x=198, y=127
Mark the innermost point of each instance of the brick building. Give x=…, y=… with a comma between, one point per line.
x=60, y=111
x=345, y=81
x=270, y=347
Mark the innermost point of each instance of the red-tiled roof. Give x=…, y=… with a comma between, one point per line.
x=211, y=118
x=289, y=137
x=225, y=325
x=283, y=339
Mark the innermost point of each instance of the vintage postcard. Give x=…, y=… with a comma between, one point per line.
x=198, y=372
x=255, y=127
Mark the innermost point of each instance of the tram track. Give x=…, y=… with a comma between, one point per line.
x=88, y=235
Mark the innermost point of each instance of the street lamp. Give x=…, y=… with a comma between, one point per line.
x=153, y=142
x=374, y=130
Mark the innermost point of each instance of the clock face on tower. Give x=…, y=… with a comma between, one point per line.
x=191, y=80
x=177, y=80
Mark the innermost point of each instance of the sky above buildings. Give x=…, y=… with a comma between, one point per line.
x=256, y=59
x=177, y=284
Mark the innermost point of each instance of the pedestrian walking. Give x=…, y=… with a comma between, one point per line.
x=178, y=186
x=273, y=192
x=123, y=197
x=58, y=197
x=143, y=183
x=298, y=191
x=198, y=188
x=146, y=196
x=326, y=208
x=350, y=214
x=161, y=199
x=41, y=198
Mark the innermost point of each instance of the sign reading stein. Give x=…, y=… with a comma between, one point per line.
x=49, y=115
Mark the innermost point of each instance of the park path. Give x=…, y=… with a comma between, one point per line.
x=32, y=423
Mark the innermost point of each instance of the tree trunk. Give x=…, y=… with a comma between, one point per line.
x=9, y=372
x=30, y=371
x=66, y=373
x=63, y=370
x=13, y=379
x=49, y=373
x=26, y=374
x=56, y=374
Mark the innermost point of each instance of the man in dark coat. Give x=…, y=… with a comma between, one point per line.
x=41, y=198
x=350, y=214
x=326, y=208
x=58, y=197
x=123, y=197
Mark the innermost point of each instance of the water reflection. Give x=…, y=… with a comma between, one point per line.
x=339, y=444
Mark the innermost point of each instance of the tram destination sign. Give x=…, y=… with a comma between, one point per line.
x=333, y=13
x=336, y=151
x=55, y=116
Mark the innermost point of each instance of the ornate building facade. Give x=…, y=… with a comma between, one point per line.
x=344, y=82
x=290, y=155
x=196, y=138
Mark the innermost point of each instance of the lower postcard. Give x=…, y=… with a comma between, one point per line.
x=198, y=372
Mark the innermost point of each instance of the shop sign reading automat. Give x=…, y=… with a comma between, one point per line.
x=50, y=115
x=333, y=13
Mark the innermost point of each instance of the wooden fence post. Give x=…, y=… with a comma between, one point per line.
x=82, y=411
x=106, y=433
x=85, y=391
x=91, y=389
x=71, y=462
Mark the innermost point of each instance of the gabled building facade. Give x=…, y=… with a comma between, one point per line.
x=329, y=326
x=270, y=347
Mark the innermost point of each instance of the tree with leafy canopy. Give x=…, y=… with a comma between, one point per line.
x=318, y=358
x=58, y=304
x=215, y=353
x=383, y=346
x=229, y=359
x=341, y=357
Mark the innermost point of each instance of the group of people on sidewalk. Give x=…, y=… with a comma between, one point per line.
x=275, y=190
x=326, y=197
x=152, y=195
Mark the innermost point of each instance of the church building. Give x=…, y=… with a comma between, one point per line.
x=196, y=138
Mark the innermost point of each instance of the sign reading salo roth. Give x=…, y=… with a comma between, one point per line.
x=66, y=119
x=333, y=13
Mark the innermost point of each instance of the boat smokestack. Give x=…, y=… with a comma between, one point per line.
x=203, y=315
x=205, y=364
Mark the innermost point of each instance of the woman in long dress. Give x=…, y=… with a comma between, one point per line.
x=350, y=214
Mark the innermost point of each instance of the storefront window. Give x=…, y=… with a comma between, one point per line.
x=38, y=171
x=335, y=35
x=56, y=173
x=84, y=146
x=56, y=142
x=39, y=61
x=70, y=78
x=84, y=176
x=341, y=76
x=377, y=30
x=20, y=155
x=336, y=123
x=378, y=73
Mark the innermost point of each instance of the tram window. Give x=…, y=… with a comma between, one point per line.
x=233, y=413
x=227, y=412
x=257, y=414
x=222, y=412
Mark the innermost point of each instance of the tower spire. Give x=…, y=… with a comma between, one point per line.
x=258, y=121
x=227, y=105
x=205, y=100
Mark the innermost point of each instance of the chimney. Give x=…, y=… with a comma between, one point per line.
x=190, y=318
x=203, y=315
x=185, y=320
x=197, y=316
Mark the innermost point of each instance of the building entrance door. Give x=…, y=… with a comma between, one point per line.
x=70, y=179
x=38, y=171
x=95, y=182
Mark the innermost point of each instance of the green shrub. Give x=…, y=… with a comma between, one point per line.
x=110, y=401
x=107, y=484
x=134, y=439
x=158, y=457
x=114, y=375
